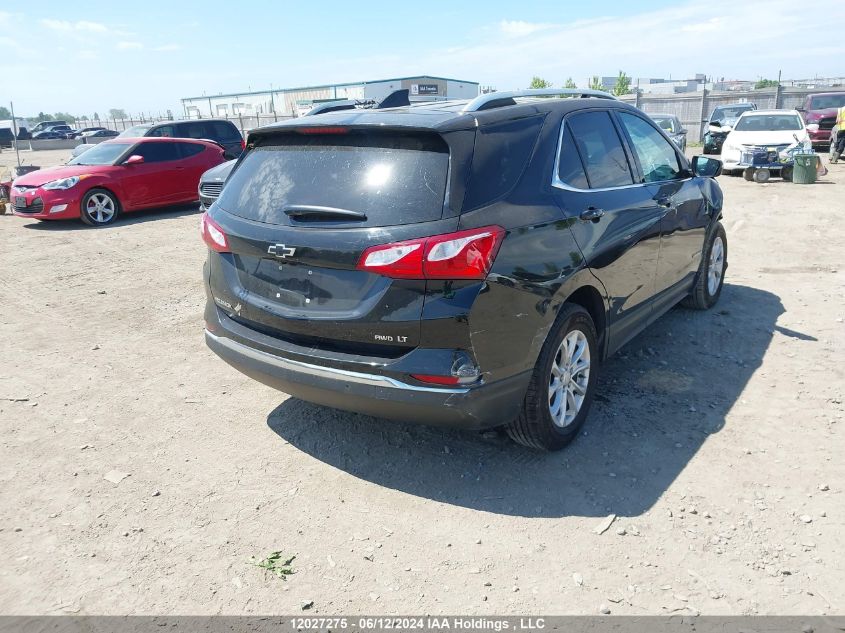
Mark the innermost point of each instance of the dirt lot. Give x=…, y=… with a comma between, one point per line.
x=717, y=441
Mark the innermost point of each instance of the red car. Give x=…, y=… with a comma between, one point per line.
x=126, y=174
x=819, y=112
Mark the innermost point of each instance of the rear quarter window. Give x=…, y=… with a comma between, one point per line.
x=392, y=179
x=501, y=154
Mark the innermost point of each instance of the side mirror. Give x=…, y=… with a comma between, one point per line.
x=134, y=160
x=706, y=167
x=682, y=132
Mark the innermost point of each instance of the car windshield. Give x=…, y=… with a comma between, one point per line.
x=769, y=123
x=826, y=102
x=665, y=122
x=729, y=113
x=135, y=131
x=102, y=154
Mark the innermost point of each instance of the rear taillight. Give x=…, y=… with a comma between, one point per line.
x=462, y=255
x=243, y=145
x=213, y=235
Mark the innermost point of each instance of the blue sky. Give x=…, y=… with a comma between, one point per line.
x=144, y=57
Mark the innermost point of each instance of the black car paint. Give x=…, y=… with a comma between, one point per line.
x=616, y=266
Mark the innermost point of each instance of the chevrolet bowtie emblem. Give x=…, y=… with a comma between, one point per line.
x=281, y=251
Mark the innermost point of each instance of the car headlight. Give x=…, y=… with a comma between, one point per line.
x=813, y=127
x=61, y=183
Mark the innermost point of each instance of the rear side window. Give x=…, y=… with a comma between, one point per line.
x=190, y=149
x=195, y=130
x=392, y=179
x=157, y=152
x=570, y=169
x=224, y=132
x=600, y=149
x=501, y=153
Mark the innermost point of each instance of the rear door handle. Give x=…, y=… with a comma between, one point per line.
x=666, y=203
x=591, y=214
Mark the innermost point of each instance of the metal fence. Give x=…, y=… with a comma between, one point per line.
x=243, y=122
x=693, y=109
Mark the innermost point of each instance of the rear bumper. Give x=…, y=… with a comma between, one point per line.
x=475, y=407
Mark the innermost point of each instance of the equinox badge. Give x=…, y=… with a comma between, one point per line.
x=281, y=251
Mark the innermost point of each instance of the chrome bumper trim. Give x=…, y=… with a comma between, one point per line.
x=325, y=372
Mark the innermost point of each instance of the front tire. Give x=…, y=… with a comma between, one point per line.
x=711, y=271
x=99, y=207
x=562, y=384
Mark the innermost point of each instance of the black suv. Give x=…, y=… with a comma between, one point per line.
x=461, y=263
x=219, y=130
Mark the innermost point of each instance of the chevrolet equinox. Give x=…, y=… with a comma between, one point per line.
x=465, y=263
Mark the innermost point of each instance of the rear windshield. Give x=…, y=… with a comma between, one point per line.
x=769, y=123
x=392, y=179
x=729, y=112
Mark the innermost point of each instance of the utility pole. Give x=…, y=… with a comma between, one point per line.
x=15, y=131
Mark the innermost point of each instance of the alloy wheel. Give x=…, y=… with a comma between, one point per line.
x=716, y=266
x=569, y=378
x=100, y=208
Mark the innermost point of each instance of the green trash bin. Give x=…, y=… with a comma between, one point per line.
x=804, y=171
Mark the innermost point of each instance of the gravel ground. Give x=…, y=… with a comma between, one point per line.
x=139, y=474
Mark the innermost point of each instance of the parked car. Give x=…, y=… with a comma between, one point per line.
x=211, y=183
x=45, y=135
x=673, y=127
x=721, y=122
x=46, y=125
x=82, y=131
x=114, y=177
x=218, y=130
x=772, y=129
x=458, y=263
x=819, y=113
x=102, y=133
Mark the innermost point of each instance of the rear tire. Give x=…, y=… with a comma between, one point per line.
x=562, y=384
x=99, y=207
x=711, y=271
x=748, y=174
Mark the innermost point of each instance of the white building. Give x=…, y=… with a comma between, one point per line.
x=297, y=101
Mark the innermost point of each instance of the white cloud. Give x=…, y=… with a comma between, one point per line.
x=518, y=28
x=674, y=41
x=167, y=47
x=128, y=46
x=81, y=26
x=87, y=55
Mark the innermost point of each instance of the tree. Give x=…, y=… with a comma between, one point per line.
x=4, y=113
x=64, y=116
x=117, y=113
x=539, y=82
x=595, y=83
x=42, y=117
x=96, y=117
x=765, y=83
x=570, y=84
x=623, y=84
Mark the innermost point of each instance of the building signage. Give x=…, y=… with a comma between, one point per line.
x=425, y=89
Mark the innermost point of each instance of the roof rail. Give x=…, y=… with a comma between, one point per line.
x=491, y=99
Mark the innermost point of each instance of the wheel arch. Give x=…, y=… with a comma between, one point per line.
x=589, y=298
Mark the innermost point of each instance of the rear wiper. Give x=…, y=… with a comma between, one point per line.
x=309, y=211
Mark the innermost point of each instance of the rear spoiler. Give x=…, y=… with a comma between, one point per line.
x=395, y=99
